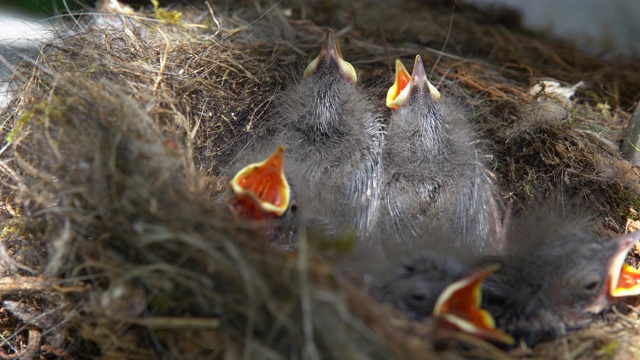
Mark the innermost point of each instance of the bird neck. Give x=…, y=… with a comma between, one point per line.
x=428, y=131
x=329, y=95
x=433, y=134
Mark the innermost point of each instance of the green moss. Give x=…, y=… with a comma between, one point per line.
x=609, y=349
x=159, y=303
x=627, y=203
x=18, y=226
x=605, y=109
x=41, y=109
x=20, y=124
x=573, y=114
x=340, y=245
x=168, y=16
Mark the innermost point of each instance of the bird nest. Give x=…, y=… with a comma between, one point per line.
x=115, y=244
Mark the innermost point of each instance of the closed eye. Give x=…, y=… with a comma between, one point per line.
x=407, y=270
x=592, y=285
x=417, y=297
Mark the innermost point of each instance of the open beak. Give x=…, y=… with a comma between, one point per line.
x=401, y=82
x=624, y=280
x=459, y=306
x=399, y=92
x=262, y=188
x=330, y=55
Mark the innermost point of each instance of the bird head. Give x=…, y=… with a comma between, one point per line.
x=406, y=87
x=458, y=306
x=433, y=284
x=554, y=272
x=261, y=190
x=416, y=287
x=329, y=60
x=585, y=273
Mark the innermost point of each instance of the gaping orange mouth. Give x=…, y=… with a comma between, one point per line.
x=624, y=280
x=264, y=184
x=398, y=93
x=459, y=306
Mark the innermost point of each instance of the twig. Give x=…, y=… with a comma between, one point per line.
x=34, y=284
x=35, y=338
x=175, y=322
x=214, y=18
x=310, y=349
x=163, y=59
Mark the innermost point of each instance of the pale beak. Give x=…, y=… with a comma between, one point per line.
x=330, y=54
x=402, y=80
x=403, y=86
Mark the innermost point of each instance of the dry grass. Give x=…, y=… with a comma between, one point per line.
x=114, y=245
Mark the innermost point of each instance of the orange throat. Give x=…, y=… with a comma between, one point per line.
x=262, y=187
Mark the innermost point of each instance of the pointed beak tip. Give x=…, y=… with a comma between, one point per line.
x=418, y=75
x=330, y=52
x=631, y=239
x=329, y=37
x=278, y=155
x=418, y=61
x=419, y=79
x=330, y=45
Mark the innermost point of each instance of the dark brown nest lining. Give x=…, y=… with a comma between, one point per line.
x=114, y=245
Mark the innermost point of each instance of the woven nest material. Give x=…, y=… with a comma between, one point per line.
x=115, y=243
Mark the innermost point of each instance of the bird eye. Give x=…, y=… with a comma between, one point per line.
x=591, y=282
x=417, y=297
x=407, y=270
x=293, y=208
x=591, y=286
x=417, y=301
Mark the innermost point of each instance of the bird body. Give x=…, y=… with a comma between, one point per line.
x=333, y=140
x=433, y=166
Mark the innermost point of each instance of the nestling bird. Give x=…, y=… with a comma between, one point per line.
x=433, y=167
x=260, y=192
x=333, y=139
x=554, y=275
x=436, y=284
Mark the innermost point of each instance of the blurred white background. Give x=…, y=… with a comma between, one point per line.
x=609, y=27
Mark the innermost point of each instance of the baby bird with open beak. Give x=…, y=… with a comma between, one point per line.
x=437, y=285
x=433, y=167
x=260, y=192
x=554, y=274
x=333, y=139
